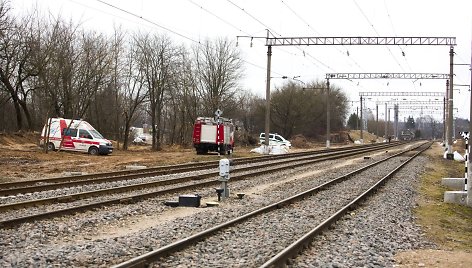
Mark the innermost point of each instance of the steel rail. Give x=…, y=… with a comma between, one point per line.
x=153, y=194
x=159, y=183
x=146, y=259
x=13, y=188
x=303, y=242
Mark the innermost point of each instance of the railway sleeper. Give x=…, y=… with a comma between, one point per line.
x=127, y=200
x=65, y=199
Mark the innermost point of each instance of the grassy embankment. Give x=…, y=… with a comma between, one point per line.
x=448, y=225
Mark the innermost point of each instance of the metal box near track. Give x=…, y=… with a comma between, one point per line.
x=189, y=200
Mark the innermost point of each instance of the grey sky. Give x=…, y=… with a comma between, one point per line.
x=190, y=21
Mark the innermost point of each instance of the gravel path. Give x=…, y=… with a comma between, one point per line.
x=258, y=239
x=76, y=240
x=371, y=236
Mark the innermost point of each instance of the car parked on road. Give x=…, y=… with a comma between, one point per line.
x=274, y=139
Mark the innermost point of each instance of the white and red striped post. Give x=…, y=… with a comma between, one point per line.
x=218, y=113
x=466, y=162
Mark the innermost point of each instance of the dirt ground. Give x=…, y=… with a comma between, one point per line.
x=21, y=159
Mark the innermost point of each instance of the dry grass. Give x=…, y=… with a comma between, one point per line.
x=448, y=225
x=368, y=137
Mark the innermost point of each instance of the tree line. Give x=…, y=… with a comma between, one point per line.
x=51, y=67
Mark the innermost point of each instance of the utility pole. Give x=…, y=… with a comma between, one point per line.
x=357, y=118
x=394, y=121
x=377, y=123
x=444, y=118
x=468, y=182
x=267, y=113
x=357, y=40
x=450, y=155
x=328, y=116
x=386, y=122
x=362, y=123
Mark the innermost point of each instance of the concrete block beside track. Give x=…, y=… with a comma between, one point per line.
x=455, y=197
x=134, y=167
x=454, y=183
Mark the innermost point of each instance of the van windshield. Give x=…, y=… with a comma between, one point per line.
x=84, y=134
x=96, y=134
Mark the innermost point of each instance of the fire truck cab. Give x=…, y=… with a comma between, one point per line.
x=213, y=134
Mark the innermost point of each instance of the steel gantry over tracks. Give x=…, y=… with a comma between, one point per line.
x=395, y=94
x=350, y=76
x=384, y=41
x=403, y=102
x=398, y=94
x=329, y=41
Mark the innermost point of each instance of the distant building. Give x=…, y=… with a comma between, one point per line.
x=407, y=135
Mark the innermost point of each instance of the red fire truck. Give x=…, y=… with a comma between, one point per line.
x=213, y=134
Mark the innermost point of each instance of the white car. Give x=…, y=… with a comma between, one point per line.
x=274, y=139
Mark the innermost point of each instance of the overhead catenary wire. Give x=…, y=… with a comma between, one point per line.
x=376, y=32
x=237, y=28
x=166, y=28
x=395, y=34
x=232, y=26
x=148, y=21
x=316, y=32
x=218, y=17
x=274, y=33
x=247, y=13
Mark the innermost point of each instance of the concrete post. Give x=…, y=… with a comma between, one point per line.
x=377, y=123
x=450, y=105
x=362, y=123
x=386, y=122
x=444, y=120
x=328, y=116
x=469, y=181
x=267, y=112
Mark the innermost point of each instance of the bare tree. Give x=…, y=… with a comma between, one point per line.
x=91, y=74
x=18, y=45
x=157, y=55
x=182, y=100
x=218, y=70
x=133, y=90
x=57, y=75
x=295, y=110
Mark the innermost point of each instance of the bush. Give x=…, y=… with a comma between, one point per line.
x=299, y=141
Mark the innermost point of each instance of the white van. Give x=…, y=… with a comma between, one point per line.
x=274, y=139
x=78, y=136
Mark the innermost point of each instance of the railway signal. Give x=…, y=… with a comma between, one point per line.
x=224, y=166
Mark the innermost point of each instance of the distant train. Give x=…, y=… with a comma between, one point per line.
x=407, y=135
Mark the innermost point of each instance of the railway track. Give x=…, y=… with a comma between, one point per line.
x=30, y=186
x=284, y=214
x=190, y=182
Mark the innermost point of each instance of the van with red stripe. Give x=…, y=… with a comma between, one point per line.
x=74, y=135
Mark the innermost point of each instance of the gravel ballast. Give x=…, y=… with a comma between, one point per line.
x=54, y=242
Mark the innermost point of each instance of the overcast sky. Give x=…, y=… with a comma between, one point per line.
x=190, y=21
